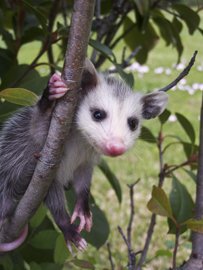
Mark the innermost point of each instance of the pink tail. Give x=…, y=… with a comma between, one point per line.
x=4, y=247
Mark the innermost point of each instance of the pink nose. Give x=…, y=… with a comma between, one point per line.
x=115, y=148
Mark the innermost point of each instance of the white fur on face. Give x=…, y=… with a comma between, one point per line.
x=119, y=106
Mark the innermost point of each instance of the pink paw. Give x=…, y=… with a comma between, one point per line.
x=85, y=220
x=57, y=88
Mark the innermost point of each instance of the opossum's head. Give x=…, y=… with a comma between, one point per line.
x=110, y=113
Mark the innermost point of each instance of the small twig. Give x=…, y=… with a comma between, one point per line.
x=98, y=9
x=175, y=248
x=52, y=16
x=153, y=217
x=110, y=256
x=126, y=62
x=181, y=75
x=128, y=239
x=131, y=254
x=147, y=241
x=45, y=47
x=173, y=168
x=132, y=212
x=121, y=37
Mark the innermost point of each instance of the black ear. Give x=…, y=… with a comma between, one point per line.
x=90, y=77
x=154, y=104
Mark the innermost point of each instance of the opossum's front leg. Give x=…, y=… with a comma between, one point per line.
x=57, y=88
x=81, y=184
x=55, y=201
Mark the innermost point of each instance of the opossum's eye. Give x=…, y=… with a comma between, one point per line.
x=132, y=123
x=98, y=115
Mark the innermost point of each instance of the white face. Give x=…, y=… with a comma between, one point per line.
x=110, y=121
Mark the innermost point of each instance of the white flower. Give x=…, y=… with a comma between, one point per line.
x=168, y=71
x=143, y=69
x=172, y=118
x=159, y=70
x=180, y=66
x=200, y=68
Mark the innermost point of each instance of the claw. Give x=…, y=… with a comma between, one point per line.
x=69, y=246
x=85, y=221
x=82, y=245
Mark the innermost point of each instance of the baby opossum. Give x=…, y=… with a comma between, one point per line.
x=107, y=122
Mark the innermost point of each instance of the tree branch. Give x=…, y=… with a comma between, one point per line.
x=60, y=123
x=128, y=239
x=181, y=75
x=152, y=223
x=110, y=257
x=52, y=17
x=177, y=236
x=132, y=213
x=196, y=258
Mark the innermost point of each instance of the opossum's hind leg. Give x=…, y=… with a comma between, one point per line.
x=55, y=201
x=57, y=87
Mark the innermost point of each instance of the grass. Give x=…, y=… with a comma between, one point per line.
x=142, y=161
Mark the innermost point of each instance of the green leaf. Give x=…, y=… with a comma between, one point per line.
x=32, y=81
x=83, y=264
x=145, y=39
x=111, y=177
x=177, y=24
x=7, y=59
x=190, y=17
x=61, y=252
x=147, y=135
x=35, y=266
x=44, y=239
x=164, y=116
x=39, y=216
x=142, y=6
x=159, y=203
x=187, y=126
x=127, y=77
x=7, y=263
x=100, y=229
x=102, y=48
x=192, y=175
x=188, y=149
x=169, y=33
x=6, y=109
x=51, y=266
x=32, y=34
x=181, y=203
x=19, y=96
x=163, y=253
x=195, y=225
x=165, y=28
x=39, y=15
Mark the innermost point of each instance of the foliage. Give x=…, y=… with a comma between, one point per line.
x=140, y=25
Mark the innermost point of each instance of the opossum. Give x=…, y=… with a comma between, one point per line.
x=107, y=122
